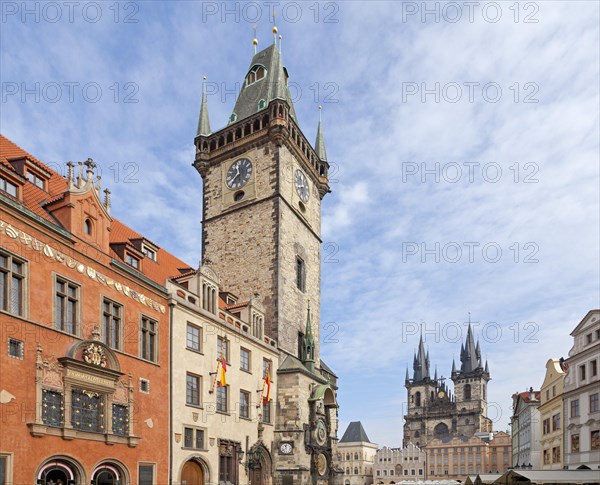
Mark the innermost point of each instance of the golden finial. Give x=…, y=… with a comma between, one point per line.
x=255, y=40
x=274, y=30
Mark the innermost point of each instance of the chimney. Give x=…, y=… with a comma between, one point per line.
x=531, y=394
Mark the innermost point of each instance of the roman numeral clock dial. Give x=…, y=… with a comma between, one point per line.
x=301, y=185
x=239, y=173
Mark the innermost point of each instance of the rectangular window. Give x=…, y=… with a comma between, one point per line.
x=120, y=419
x=149, y=253
x=15, y=348
x=228, y=463
x=52, y=406
x=35, y=180
x=12, y=282
x=266, y=409
x=192, y=391
x=300, y=274
x=575, y=408
x=556, y=454
x=588, y=338
x=132, y=261
x=267, y=368
x=547, y=394
x=553, y=390
x=223, y=348
x=546, y=426
x=67, y=306
x=222, y=399
x=244, y=404
x=145, y=474
x=546, y=457
x=582, y=372
x=8, y=187
x=594, y=368
x=87, y=411
x=5, y=468
x=594, y=402
x=144, y=386
x=148, y=331
x=574, y=443
x=245, y=359
x=193, y=438
x=112, y=316
x=193, y=338
x=556, y=422
x=595, y=440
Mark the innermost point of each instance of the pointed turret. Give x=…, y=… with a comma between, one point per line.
x=407, y=378
x=487, y=369
x=468, y=354
x=421, y=363
x=309, y=345
x=320, y=141
x=203, y=121
x=453, y=367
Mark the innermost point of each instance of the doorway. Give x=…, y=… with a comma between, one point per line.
x=192, y=474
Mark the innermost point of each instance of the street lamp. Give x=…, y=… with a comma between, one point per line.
x=240, y=455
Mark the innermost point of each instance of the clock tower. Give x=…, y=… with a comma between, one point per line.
x=263, y=183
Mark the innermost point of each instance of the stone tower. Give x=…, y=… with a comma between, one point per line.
x=433, y=410
x=263, y=183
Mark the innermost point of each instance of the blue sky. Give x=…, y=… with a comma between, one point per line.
x=464, y=145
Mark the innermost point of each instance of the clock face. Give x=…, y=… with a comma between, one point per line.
x=321, y=464
x=301, y=185
x=239, y=173
x=441, y=394
x=321, y=433
x=285, y=448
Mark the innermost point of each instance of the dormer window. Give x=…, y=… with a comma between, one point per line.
x=8, y=187
x=262, y=104
x=149, y=253
x=256, y=74
x=233, y=118
x=132, y=261
x=35, y=179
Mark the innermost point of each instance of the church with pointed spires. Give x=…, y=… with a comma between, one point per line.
x=435, y=410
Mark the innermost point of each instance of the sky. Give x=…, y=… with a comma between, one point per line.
x=464, y=148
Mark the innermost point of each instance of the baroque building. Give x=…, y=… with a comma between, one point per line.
x=551, y=416
x=263, y=183
x=356, y=454
x=525, y=429
x=581, y=396
x=433, y=410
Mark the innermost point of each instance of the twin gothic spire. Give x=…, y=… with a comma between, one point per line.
x=470, y=359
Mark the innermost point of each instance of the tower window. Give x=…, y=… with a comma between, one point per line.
x=418, y=399
x=300, y=274
x=467, y=392
x=262, y=104
x=256, y=74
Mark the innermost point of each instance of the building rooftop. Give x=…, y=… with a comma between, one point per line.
x=355, y=433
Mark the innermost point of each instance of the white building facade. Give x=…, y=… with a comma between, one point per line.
x=393, y=465
x=525, y=430
x=581, y=396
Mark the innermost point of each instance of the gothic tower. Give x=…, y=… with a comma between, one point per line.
x=263, y=183
x=470, y=388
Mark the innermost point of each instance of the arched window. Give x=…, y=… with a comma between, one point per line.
x=356, y=456
x=440, y=430
x=255, y=74
x=355, y=471
x=87, y=227
x=467, y=392
x=418, y=399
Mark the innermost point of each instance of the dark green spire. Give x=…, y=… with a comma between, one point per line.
x=203, y=121
x=266, y=80
x=320, y=141
x=309, y=345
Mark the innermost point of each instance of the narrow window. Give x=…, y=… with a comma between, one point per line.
x=222, y=399
x=67, y=306
x=12, y=283
x=192, y=394
x=52, y=407
x=245, y=359
x=467, y=392
x=244, y=404
x=148, y=330
x=120, y=419
x=111, y=324
x=87, y=227
x=300, y=274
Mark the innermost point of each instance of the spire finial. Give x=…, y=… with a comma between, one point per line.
x=274, y=30
x=203, y=120
x=255, y=40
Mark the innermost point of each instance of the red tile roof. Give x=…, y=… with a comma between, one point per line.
x=166, y=265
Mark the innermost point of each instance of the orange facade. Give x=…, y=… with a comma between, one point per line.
x=84, y=333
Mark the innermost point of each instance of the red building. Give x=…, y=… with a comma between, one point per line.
x=84, y=327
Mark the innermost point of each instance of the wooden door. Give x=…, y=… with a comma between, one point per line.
x=192, y=474
x=257, y=475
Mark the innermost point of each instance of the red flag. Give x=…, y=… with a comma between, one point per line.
x=267, y=396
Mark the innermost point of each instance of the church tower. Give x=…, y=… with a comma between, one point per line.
x=470, y=388
x=263, y=183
